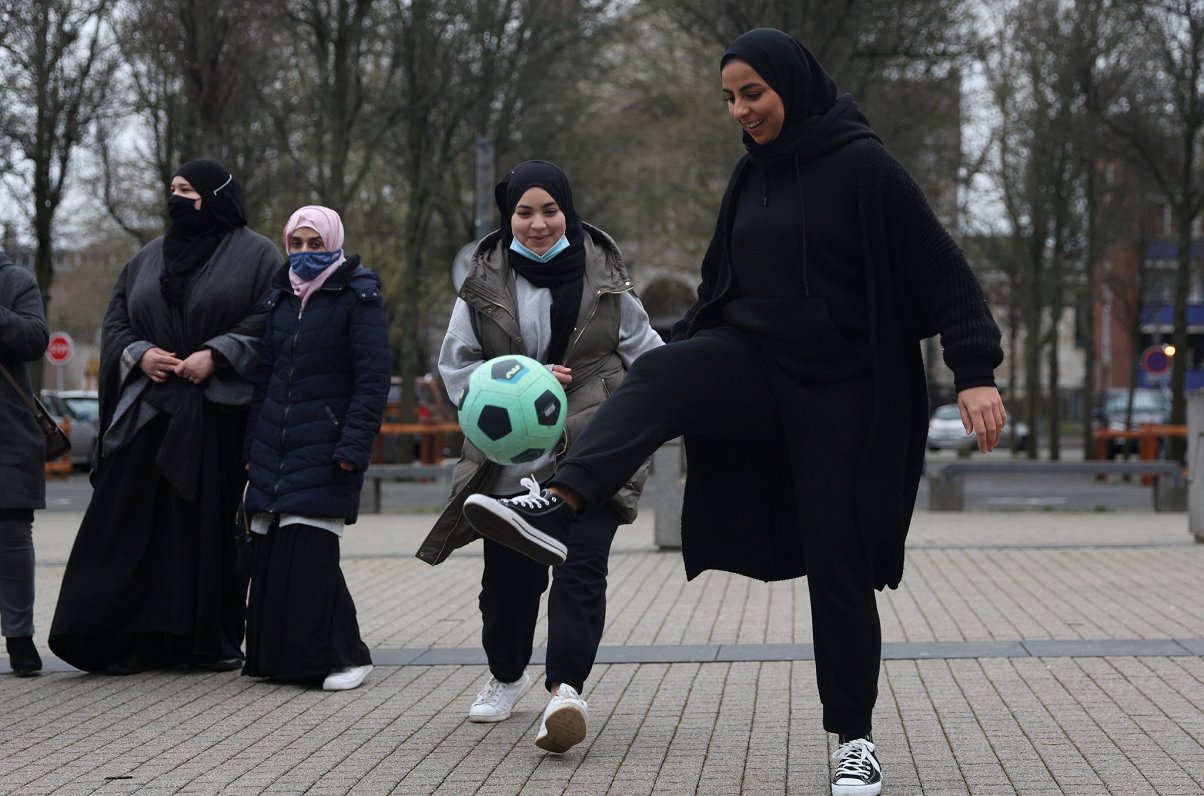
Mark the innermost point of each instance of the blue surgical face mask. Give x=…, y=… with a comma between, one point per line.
x=556, y=249
x=308, y=265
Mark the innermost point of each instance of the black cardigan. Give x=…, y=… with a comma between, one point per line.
x=919, y=285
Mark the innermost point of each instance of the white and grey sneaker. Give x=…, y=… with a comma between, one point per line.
x=857, y=770
x=563, y=725
x=497, y=699
x=347, y=678
x=534, y=524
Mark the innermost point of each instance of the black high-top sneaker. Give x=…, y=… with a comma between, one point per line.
x=534, y=524
x=857, y=770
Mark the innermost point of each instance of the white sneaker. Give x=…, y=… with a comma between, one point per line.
x=346, y=678
x=857, y=770
x=563, y=724
x=497, y=699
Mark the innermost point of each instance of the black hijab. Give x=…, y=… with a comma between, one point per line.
x=194, y=234
x=564, y=274
x=817, y=121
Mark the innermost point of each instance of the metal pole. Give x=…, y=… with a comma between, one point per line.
x=483, y=219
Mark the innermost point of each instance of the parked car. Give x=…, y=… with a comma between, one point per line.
x=82, y=408
x=945, y=431
x=1149, y=406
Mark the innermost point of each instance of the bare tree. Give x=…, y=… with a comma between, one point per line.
x=1150, y=94
x=857, y=40
x=1048, y=154
x=55, y=67
x=899, y=58
x=190, y=68
x=468, y=68
x=339, y=98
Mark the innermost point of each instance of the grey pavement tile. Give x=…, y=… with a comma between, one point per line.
x=765, y=652
x=1080, y=648
x=1023, y=654
x=903, y=650
x=656, y=653
x=1193, y=645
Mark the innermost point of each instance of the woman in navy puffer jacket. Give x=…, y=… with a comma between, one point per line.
x=324, y=379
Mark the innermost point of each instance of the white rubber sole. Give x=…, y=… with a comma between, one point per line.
x=496, y=522
x=564, y=728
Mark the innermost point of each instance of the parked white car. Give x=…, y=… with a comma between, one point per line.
x=82, y=408
x=945, y=431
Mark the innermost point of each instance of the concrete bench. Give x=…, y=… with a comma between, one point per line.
x=947, y=488
x=370, y=496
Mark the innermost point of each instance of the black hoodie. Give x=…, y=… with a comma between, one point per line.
x=794, y=248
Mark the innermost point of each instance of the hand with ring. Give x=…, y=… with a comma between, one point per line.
x=196, y=367
x=157, y=364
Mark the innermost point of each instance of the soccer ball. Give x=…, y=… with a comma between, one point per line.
x=513, y=409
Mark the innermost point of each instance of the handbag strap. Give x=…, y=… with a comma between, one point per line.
x=28, y=398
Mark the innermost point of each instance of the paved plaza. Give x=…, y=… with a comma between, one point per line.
x=1027, y=652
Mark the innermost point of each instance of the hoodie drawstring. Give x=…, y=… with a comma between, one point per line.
x=802, y=207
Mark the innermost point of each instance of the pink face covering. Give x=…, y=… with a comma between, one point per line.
x=329, y=227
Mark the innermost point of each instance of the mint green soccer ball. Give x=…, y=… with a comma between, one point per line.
x=513, y=409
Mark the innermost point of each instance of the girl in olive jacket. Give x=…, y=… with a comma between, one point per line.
x=553, y=288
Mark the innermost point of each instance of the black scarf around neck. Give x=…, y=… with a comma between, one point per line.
x=564, y=274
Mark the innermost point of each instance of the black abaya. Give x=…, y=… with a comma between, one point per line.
x=301, y=621
x=153, y=580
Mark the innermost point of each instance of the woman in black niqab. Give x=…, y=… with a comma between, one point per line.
x=154, y=578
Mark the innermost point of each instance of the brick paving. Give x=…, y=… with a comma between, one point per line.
x=1026, y=653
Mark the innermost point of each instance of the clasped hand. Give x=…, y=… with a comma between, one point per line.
x=158, y=364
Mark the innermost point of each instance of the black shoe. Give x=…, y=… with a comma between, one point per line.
x=857, y=770
x=139, y=657
x=534, y=524
x=216, y=664
x=23, y=656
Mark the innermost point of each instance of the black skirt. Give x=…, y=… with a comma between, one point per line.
x=301, y=621
x=153, y=580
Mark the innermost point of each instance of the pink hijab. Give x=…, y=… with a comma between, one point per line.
x=329, y=227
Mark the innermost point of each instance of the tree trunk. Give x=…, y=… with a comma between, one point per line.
x=1087, y=327
x=1177, y=448
x=1055, y=393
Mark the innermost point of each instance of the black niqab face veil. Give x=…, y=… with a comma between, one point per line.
x=564, y=274
x=194, y=234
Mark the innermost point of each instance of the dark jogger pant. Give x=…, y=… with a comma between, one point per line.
x=713, y=384
x=16, y=572
x=511, y=586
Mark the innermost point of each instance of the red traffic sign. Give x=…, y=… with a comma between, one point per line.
x=1155, y=360
x=60, y=348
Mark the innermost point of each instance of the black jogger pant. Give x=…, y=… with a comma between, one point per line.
x=714, y=384
x=511, y=586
